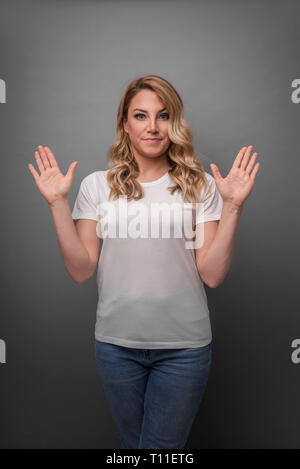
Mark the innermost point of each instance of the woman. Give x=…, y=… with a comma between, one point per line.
x=153, y=334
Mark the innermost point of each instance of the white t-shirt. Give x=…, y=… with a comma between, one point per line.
x=150, y=293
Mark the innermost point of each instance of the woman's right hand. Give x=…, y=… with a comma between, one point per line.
x=52, y=184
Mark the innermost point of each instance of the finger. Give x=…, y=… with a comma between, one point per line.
x=44, y=157
x=39, y=162
x=239, y=157
x=251, y=163
x=215, y=171
x=33, y=171
x=255, y=170
x=246, y=157
x=51, y=157
x=71, y=170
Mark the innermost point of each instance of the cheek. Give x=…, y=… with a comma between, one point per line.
x=137, y=130
x=166, y=130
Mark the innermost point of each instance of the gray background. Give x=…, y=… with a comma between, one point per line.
x=66, y=65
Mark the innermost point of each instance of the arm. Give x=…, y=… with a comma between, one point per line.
x=79, y=245
x=213, y=259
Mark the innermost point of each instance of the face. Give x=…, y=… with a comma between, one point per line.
x=147, y=119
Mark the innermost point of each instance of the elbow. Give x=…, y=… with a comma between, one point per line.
x=208, y=282
x=80, y=281
x=213, y=283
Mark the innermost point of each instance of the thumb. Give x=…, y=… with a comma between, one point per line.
x=215, y=171
x=71, y=170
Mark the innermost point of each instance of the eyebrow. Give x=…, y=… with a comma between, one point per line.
x=136, y=109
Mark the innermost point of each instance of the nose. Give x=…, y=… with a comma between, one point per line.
x=152, y=127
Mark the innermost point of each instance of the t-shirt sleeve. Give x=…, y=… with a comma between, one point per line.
x=85, y=205
x=210, y=208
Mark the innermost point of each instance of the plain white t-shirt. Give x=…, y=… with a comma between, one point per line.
x=150, y=293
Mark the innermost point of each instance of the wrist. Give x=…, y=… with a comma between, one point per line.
x=61, y=201
x=232, y=206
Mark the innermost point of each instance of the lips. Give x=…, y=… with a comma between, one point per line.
x=153, y=139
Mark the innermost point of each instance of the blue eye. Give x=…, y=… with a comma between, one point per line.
x=136, y=116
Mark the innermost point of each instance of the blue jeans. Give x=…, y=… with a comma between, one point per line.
x=153, y=394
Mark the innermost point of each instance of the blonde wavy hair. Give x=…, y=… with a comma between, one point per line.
x=187, y=170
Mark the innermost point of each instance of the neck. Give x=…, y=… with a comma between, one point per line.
x=152, y=167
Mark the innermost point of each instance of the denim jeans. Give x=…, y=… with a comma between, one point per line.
x=153, y=394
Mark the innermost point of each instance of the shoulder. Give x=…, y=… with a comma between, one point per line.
x=97, y=185
x=94, y=178
x=210, y=179
x=93, y=185
x=210, y=186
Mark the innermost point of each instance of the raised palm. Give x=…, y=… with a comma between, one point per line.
x=239, y=182
x=52, y=184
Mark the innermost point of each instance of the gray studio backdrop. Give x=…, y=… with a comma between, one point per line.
x=65, y=65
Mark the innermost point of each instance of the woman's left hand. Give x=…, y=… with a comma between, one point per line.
x=239, y=182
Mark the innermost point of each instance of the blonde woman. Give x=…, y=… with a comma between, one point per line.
x=165, y=227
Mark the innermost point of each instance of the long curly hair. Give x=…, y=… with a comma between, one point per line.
x=186, y=167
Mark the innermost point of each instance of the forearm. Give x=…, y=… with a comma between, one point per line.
x=75, y=256
x=217, y=260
